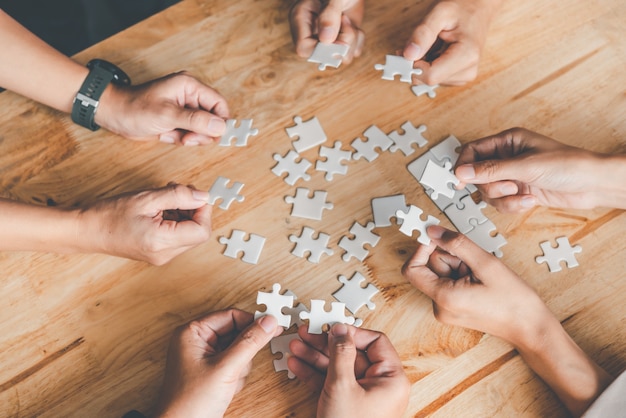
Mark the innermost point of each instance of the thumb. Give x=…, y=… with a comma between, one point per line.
x=177, y=197
x=330, y=22
x=196, y=120
x=490, y=171
x=426, y=33
x=249, y=342
x=342, y=353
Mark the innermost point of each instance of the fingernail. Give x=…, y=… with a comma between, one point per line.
x=465, y=172
x=167, y=139
x=216, y=127
x=191, y=143
x=508, y=189
x=412, y=51
x=435, y=231
x=339, y=330
x=268, y=323
x=200, y=195
x=529, y=201
x=325, y=34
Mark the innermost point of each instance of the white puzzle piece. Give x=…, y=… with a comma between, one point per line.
x=447, y=150
x=310, y=134
x=251, y=248
x=280, y=345
x=354, y=247
x=240, y=134
x=274, y=303
x=462, y=218
x=305, y=243
x=318, y=317
x=444, y=202
x=354, y=295
x=412, y=221
x=421, y=89
x=328, y=55
x=439, y=178
x=376, y=138
x=334, y=156
x=395, y=65
x=220, y=190
x=562, y=252
x=481, y=235
x=295, y=170
x=295, y=311
x=417, y=166
x=308, y=207
x=384, y=208
x=412, y=135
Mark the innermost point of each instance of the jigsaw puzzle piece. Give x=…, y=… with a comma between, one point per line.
x=274, y=303
x=305, y=243
x=220, y=190
x=280, y=345
x=334, y=156
x=318, y=316
x=354, y=247
x=412, y=135
x=421, y=89
x=562, y=252
x=240, y=134
x=328, y=55
x=438, y=178
x=481, y=236
x=447, y=150
x=444, y=202
x=251, y=248
x=295, y=170
x=367, y=149
x=412, y=221
x=469, y=215
x=308, y=207
x=309, y=133
x=354, y=295
x=294, y=312
x=384, y=208
x=395, y=65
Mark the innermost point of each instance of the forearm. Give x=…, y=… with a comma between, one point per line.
x=34, y=69
x=575, y=378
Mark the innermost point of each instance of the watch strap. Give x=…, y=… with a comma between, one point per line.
x=88, y=97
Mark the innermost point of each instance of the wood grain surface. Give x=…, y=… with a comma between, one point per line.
x=86, y=335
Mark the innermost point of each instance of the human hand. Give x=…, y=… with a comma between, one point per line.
x=338, y=21
x=448, y=42
x=153, y=225
x=518, y=169
x=208, y=361
x=176, y=108
x=357, y=371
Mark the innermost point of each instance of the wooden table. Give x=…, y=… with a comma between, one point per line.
x=86, y=335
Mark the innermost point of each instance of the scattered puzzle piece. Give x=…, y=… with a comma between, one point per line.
x=220, y=190
x=421, y=89
x=395, y=65
x=333, y=165
x=562, y=252
x=412, y=221
x=438, y=178
x=274, y=303
x=239, y=134
x=318, y=317
x=481, y=235
x=314, y=246
x=295, y=170
x=308, y=207
x=353, y=294
x=354, y=247
x=367, y=149
x=404, y=142
x=237, y=243
x=328, y=55
x=309, y=133
x=462, y=218
x=280, y=345
x=384, y=208
x=447, y=150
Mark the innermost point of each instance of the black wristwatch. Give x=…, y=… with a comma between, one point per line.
x=101, y=73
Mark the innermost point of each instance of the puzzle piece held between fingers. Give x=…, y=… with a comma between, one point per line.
x=354, y=247
x=280, y=345
x=318, y=317
x=237, y=243
x=404, y=142
x=354, y=295
x=309, y=133
x=240, y=133
x=295, y=170
x=562, y=252
x=220, y=190
x=328, y=55
x=421, y=89
x=333, y=156
x=412, y=221
x=274, y=303
x=376, y=138
x=308, y=207
x=395, y=65
x=438, y=178
x=314, y=246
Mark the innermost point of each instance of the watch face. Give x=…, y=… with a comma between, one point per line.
x=119, y=76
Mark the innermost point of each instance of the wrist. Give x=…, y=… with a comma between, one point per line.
x=112, y=103
x=611, y=187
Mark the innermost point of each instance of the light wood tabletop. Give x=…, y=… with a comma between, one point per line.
x=86, y=335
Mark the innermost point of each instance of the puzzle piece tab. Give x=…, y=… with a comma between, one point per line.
x=220, y=190
x=274, y=303
x=367, y=149
x=305, y=243
x=240, y=134
x=481, y=235
x=395, y=65
x=354, y=247
x=354, y=295
x=318, y=317
x=309, y=133
x=237, y=243
x=384, y=208
x=328, y=55
x=404, y=142
x=562, y=252
x=280, y=345
x=421, y=89
x=295, y=170
x=333, y=165
x=308, y=207
x=412, y=221
x=438, y=178
x=295, y=311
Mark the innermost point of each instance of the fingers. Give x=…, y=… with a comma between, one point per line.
x=456, y=66
x=380, y=351
x=426, y=33
x=513, y=204
x=306, y=373
x=330, y=21
x=343, y=354
x=416, y=271
x=303, y=17
x=176, y=197
x=217, y=325
x=249, y=342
